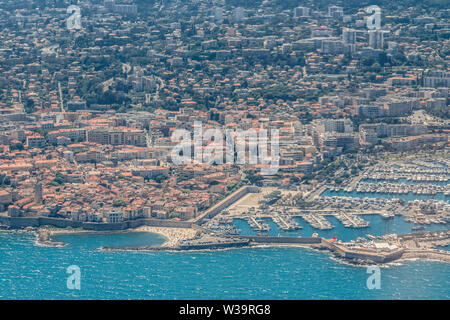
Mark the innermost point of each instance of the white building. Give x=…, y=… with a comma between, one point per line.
x=335, y=11
x=114, y=217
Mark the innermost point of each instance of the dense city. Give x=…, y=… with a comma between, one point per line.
x=357, y=101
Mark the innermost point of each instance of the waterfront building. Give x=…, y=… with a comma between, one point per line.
x=14, y=211
x=114, y=217
x=412, y=142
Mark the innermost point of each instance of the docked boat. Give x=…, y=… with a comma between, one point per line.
x=387, y=215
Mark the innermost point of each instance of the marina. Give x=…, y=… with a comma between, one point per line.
x=317, y=222
x=400, y=198
x=352, y=221
x=286, y=222
x=438, y=180
x=385, y=195
x=378, y=227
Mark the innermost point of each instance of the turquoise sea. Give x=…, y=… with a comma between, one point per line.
x=28, y=271
x=378, y=226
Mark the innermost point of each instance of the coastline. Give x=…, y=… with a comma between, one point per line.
x=44, y=235
x=173, y=236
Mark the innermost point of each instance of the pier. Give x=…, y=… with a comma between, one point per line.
x=285, y=223
x=352, y=221
x=317, y=221
x=257, y=225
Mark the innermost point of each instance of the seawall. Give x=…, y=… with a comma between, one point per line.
x=225, y=203
x=282, y=240
x=22, y=222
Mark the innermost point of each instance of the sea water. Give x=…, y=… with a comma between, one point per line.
x=378, y=227
x=29, y=271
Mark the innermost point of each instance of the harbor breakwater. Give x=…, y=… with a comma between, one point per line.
x=355, y=256
x=283, y=240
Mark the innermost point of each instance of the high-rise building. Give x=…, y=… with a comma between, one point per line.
x=376, y=39
x=349, y=36
x=301, y=12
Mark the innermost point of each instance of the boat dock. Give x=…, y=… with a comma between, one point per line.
x=352, y=221
x=285, y=223
x=317, y=221
x=257, y=225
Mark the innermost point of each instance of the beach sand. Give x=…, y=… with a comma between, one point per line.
x=172, y=235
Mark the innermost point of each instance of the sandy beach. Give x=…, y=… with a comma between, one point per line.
x=173, y=235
